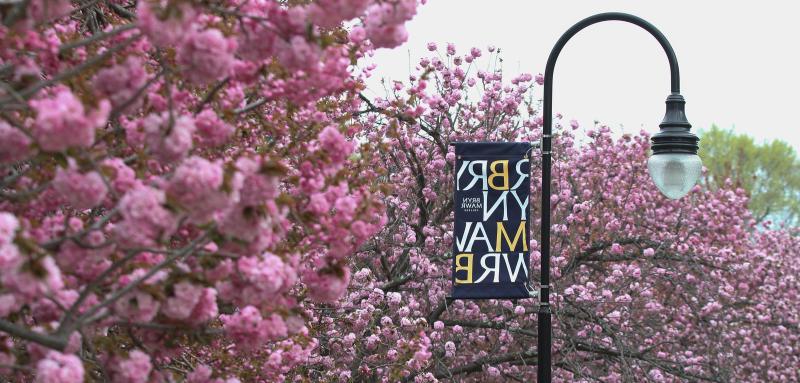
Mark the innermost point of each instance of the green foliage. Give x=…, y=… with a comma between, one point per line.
x=770, y=172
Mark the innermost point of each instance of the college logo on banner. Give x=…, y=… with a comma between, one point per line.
x=490, y=238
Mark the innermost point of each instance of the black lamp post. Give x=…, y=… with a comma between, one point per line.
x=674, y=164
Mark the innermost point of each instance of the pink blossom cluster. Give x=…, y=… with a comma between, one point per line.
x=211, y=130
x=174, y=172
x=250, y=330
x=135, y=368
x=145, y=218
x=196, y=186
x=167, y=136
x=259, y=281
x=81, y=190
x=384, y=22
x=120, y=83
x=63, y=122
x=58, y=367
x=202, y=374
x=206, y=56
x=14, y=144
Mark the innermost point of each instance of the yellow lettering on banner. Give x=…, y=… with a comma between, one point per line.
x=467, y=267
x=512, y=245
x=495, y=173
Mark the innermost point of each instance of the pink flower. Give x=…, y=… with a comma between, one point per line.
x=327, y=286
x=58, y=367
x=9, y=257
x=649, y=252
x=274, y=328
x=261, y=180
x=123, y=178
x=47, y=10
x=330, y=13
x=196, y=187
x=431, y=46
x=422, y=355
x=137, y=307
x=394, y=298
x=34, y=279
x=169, y=142
x=206, y=308
x=358, y=35
x=656, y=375
x=14, y=145
x=145, y=218
x=334, y=144
x=8, y=228
x=299, y=54
x=201, y=374
x=135, y=369
x=267, y=273
x=8, y=305
x=539, y=79
x=185, y=297
x=62, y=122
x=245, y=222
x=81, y=190
x=250, y=330
x=389, y=36
x=257, y=40
x=243, y=326
x=206, y=56
x=318, y=204
x=121, y=82
x=450, y=349
x=50, y=308
x=165, y=27
x=346, y=207
x=211, y=130
x=384, y=22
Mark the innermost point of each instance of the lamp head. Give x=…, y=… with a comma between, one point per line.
x=674, y=165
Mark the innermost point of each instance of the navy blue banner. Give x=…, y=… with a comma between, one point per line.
x=492, y=208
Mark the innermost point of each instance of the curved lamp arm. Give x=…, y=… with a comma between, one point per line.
x=673, y=139
x=674, y=71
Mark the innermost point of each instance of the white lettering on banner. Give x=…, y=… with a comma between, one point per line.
x=503, y=199
x=494, y=269
x=520, y=262
x=479, y=230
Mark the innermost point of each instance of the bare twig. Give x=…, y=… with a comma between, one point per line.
x=64, y=48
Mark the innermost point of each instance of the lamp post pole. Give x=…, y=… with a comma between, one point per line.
x=673, y=140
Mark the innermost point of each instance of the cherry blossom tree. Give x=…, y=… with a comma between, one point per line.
x=168, y=176
x=198, y=191
x=646, y=289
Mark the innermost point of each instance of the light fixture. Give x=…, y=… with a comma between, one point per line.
x=674, y=165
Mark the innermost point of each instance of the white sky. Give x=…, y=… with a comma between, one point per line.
x=739, y=60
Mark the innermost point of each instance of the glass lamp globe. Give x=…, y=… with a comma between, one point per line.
x=674, y=173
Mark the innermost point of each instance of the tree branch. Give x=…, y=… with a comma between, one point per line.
x=56, y=342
